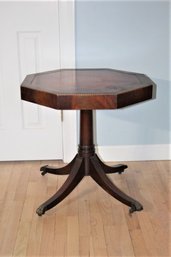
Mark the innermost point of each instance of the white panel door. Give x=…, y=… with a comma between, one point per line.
x=29, y=43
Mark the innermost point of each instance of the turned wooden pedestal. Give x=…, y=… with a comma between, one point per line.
x=87, y=90
x=86, y=162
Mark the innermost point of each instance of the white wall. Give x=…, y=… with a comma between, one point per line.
x=128, y=35
x=133, y=36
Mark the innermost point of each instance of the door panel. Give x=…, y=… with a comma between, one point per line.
x=29, y=43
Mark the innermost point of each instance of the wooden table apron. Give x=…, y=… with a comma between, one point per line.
x=87, y=90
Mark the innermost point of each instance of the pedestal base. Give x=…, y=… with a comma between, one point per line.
x=86, y=162
x=78, y=168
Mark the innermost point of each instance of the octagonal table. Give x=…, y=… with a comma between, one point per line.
x=87, y=90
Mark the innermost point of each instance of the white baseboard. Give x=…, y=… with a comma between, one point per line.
x=135, y=152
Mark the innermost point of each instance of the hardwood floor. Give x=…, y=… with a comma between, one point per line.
x=89, y=222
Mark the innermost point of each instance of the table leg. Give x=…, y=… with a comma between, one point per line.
x=119, y=168
x=71, y=182
x=58, y=171
x=99, y=175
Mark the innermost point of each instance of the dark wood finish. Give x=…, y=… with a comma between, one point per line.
x=85, y=163
x=119, y=168
x=87, y=89
x=98, y=174
x=86, y=128
x=72, y=181
x=57, y=171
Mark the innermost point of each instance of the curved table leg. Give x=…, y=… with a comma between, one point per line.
x=71, y=182
x=119, y=168
x=99, y=175
x=58, y=171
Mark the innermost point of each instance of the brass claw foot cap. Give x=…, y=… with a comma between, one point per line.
x=135, y=207
x=40, y=211
x=43, y=169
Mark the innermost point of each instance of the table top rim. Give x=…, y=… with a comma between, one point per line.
x=139, y=88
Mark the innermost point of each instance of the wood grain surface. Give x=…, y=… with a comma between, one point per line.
x=87, y=89
x=89, y=222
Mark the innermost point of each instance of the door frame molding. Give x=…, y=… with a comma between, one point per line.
x=67, y=60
